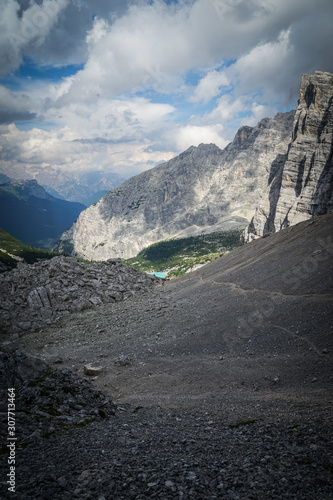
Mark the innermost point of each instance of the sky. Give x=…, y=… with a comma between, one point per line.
x=120, y=86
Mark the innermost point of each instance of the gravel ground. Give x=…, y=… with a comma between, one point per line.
x=222, y=385
x=156, y=453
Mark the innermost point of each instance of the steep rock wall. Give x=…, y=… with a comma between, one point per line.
x=300, y=184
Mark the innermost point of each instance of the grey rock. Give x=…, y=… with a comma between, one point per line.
x=39, y=294
x=54, y=360
x=123, y=360
x=9, y=346
x=18, y=367
x=30, y=367
x=300, y=184
x=191, y=476
x=91, y=370
x=62, y=482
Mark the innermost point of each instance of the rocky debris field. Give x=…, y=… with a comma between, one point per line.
x=221, y=384
x=74, y=443
x=251, y=332
x=48, y=401
x=35, y=295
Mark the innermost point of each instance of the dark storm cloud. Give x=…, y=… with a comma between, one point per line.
x=14, y=108
x=50, y=31
x=66, y=41
x=10, y=116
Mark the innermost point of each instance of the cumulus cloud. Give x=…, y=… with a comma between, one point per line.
x=195, y=135
x=153, y=42
x=210, y=86
x=154, y=45
x=117, y=120
x=155, y=76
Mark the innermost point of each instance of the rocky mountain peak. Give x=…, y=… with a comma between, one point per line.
x=301, y=184
x=203, y=189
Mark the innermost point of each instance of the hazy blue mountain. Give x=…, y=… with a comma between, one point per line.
x=77, y=186
x=32, y=215
x=4, y=179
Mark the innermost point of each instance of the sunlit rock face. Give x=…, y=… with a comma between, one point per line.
x=204, y=189
x=300, y=185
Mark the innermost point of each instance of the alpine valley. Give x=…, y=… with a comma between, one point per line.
x=214, y=385
x=207, y=189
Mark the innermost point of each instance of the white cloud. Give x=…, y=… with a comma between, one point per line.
x=210, y=86
x=133, y=102
x=264, y=67
x=154, y=43
x=227, y=108
x=193, y=135
x=116, y=119
x=36, y=152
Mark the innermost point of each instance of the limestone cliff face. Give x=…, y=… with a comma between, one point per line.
x=300, y=185
x=202, y=190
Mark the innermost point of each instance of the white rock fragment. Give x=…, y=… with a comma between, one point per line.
x=91, y=370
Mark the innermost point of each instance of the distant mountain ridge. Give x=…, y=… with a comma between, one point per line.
x=204, y=189
x=32, y=215
x=86, y=188
x=4, y=179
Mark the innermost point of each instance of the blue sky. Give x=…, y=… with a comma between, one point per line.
x=119, y=86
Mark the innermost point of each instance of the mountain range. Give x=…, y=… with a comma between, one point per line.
x=85, y=188
x=207, y=189
x=202, y=190
x=32, y=215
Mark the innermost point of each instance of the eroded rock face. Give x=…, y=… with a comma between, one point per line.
x=301, y=181
x=32, y=296
x=203, y=189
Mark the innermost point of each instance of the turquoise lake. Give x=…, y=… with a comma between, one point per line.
x=159, y=275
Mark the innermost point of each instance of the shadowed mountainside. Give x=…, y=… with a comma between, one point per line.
x=32, y=215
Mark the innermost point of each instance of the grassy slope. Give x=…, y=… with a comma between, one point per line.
x=13, y=250
x=177, y=256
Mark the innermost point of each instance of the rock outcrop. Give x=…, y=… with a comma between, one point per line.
x=203, y=189
x=32, y=296
x=300, y=184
